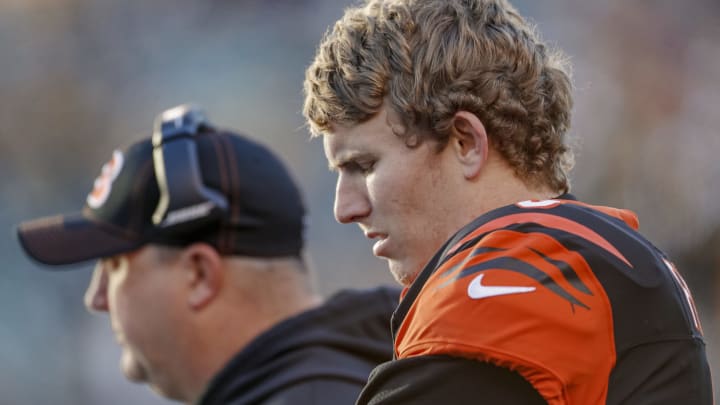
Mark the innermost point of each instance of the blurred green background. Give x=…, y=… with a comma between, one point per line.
x=80, y=77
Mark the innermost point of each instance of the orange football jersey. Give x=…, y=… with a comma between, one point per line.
x=566, y=294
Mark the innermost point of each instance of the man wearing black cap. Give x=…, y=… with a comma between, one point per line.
x=198, y=233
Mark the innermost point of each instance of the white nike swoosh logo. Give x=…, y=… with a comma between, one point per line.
x=476, y=290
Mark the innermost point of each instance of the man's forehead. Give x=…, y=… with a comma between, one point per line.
x=343, y=146
x=335, y=141
x=357, y=136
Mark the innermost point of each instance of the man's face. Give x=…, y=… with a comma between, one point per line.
x=395, y=193
x=138, y=291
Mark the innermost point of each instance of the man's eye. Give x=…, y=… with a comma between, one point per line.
x=364, y=167
x=111, y=264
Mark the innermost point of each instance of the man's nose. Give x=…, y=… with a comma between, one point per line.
x=96, y=293
x=351, y=200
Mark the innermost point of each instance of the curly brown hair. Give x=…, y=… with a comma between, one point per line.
x=429, y=59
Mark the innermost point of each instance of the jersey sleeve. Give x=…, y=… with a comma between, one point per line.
x=432, y=380
x=520, y=300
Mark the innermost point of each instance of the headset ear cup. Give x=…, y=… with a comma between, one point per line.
x=185, y=202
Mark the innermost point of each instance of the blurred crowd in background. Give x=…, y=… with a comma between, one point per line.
x=79, y=78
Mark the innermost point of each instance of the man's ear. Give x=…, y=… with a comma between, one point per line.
x=205, y=274
x=469, y=141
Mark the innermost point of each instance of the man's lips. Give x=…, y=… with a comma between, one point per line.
x=373, y=234
x=380, y=244
x=119, y=336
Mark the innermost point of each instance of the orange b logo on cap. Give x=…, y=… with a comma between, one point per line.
x=103, y=184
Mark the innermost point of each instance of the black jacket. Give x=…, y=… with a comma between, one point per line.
x=322, y=356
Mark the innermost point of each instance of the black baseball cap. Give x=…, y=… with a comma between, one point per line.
x=187, y=183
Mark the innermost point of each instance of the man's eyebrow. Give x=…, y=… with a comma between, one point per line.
x=347, y=159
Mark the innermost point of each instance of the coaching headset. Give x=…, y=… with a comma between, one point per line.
x=185, y=201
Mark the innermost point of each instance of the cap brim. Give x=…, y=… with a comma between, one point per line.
x=68, y=239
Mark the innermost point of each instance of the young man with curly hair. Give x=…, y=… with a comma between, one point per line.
x=446, y=123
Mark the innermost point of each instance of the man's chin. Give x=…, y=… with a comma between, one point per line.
x=401, y=275
x=132, y=369
x=137, y=373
